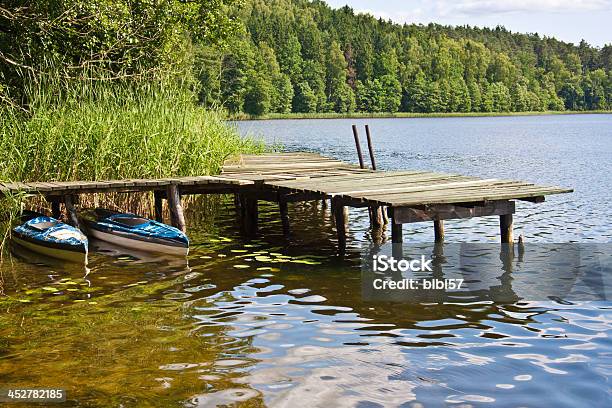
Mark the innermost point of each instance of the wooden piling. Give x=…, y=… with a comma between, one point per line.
x=376, y=217
x=396, y=233
x=438, y=230
x=396, y=229
x=284, y=214
x=340, y=218
x=505, y=226
x=55, y=209
x=358, y=147
x=159, y=217
x=251, y=213
x=177, y=218
x=374, y=212
x=69, y=202
x=370, y=147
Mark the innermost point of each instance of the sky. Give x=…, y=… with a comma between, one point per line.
x=566, y=20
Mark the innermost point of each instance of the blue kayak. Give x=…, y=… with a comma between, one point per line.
x=137, y=233
x=51, y=237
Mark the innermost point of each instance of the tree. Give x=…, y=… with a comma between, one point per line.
x=595, y=90
x=475, y=96
x=499, y=95
x=290, y=58
x=304, y=100
x=257, y=98
x=282, y=95
x=416, y=94
x=236, y=70
x=572, y=95
x=342, y=98
x=390, y=96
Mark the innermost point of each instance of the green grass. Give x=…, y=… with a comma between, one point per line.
x=358, y=115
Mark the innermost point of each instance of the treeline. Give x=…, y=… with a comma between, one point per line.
x=303, y=56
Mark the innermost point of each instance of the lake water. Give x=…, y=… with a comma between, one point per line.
x=283, y=323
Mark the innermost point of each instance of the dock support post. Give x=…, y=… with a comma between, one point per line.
x=505, y=226
x=177, y=218
x=438, y=230
x=69, y=202
x=396, y=229
x=55, y=209
x=376, y=216
x=157, y=195
x=237, y=203
x=340, y=216
x=284, y=214
x=250, y=214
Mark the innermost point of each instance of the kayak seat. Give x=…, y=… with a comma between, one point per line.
x=44, y=225
x=130, y=222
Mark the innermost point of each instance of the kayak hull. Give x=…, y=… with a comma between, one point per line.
x=70, y=254
x=135, y=242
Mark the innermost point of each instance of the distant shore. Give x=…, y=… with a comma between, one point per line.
x=367, y=115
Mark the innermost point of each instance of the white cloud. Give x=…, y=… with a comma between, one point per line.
x=488, y=7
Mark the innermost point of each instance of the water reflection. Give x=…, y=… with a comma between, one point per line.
x=289, y=326
x=502, y=273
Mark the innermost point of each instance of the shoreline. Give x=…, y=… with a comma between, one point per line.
x=388, y=115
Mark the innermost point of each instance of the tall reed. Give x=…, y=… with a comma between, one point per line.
x=101, y=130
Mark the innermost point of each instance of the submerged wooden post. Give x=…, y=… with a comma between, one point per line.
x=396, y=230
x=438, y=230
x=159, y=217
x=377, y=216
x=69, y=202
x=505, y=226
x=240, y=205
x=250, y=214
x=284, y=214
x=177, y=218
x=340, y=215
x=55, y=209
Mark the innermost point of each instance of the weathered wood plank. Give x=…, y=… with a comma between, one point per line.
x=449, y=211
x=465, y=198
x=347, y=186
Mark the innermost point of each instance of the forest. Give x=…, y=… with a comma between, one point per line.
x=303, y=56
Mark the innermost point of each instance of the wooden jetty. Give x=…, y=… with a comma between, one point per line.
x=409, y=196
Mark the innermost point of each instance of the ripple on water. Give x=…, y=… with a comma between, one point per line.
x=221, y=398
x=177, y=296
